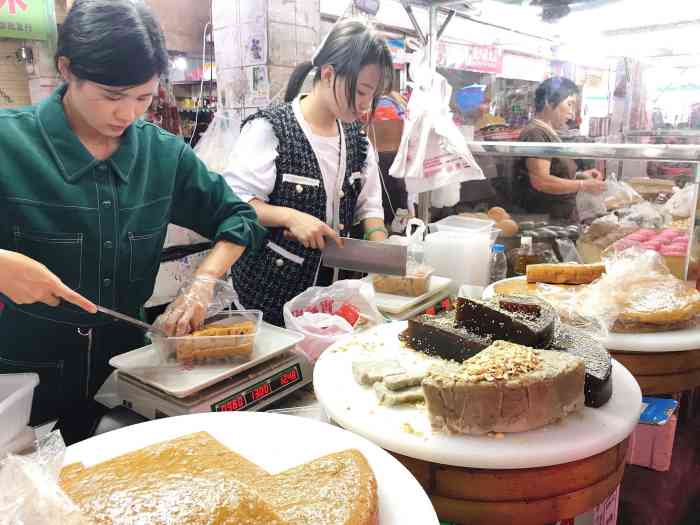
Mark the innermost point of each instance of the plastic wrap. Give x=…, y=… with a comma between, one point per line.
x=681, y=204
x=350, y=299
x=30, y=492
x=637, y=293
x=644, y=215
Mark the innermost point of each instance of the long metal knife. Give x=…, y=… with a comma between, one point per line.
x=366, y=257
x=131, y=320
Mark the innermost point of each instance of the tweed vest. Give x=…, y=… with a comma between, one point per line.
x=283, y=268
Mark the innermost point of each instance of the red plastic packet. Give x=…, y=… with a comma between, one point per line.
x=348, y=312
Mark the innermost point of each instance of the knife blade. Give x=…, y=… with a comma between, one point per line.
x=366, y=257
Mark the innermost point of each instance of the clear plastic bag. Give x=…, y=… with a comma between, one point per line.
x=644, y=215
x=619, y=194
x=216, y=145
x=351, y=299
x=30, y=492
x=681, y=204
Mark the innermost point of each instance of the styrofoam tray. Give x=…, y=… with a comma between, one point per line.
x=275, y=442
x=672, y=341
x=396, y=304
x=180, y=381
x=580, y=435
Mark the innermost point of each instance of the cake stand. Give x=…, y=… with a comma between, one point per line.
x=537, y=477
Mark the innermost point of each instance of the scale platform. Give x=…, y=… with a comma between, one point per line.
x=251, y=390
x=274, y=370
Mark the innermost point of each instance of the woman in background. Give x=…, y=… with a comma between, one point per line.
x=550, y=185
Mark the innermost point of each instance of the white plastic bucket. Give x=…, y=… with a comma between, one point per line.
x=16, y=394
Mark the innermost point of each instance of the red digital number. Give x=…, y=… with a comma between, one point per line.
x=232, y=405
x=261, y=391
x=289, y=377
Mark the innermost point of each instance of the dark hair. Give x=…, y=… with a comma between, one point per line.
x=349, y=47
x=553, y=91
x=112, y=42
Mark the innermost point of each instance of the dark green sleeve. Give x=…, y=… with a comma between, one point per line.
x=203, y=202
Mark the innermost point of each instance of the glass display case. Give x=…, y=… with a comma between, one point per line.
x=657, y=214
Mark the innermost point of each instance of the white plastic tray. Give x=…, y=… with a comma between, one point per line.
x=672, y=341
x=275, y=442
x=180, y=381
x=396, y=304
x=581, y=435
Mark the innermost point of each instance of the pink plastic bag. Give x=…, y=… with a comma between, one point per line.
x=336, y=299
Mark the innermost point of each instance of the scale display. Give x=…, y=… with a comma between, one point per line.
x=252, y=395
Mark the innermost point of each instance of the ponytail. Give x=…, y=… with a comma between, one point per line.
x=297, y=80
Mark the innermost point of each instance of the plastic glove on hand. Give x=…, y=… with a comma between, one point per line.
x=203, y=297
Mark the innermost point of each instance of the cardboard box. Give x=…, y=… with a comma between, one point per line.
x=652, y=445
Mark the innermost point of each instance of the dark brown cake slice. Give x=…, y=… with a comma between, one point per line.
x=598, y=383
x=437, y=335
x=527, y=321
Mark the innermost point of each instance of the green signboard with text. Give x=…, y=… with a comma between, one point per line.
x=25, y=19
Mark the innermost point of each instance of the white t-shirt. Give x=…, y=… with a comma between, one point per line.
x=251, y=171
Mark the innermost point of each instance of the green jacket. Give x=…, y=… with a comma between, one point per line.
x=100, y=225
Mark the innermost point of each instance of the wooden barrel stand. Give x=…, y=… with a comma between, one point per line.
x=533, y=496
x=662, y=372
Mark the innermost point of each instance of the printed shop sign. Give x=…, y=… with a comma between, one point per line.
x=24, y=19
x=470, y=57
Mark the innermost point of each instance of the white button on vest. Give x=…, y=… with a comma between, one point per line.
x=279, y=262
x=341, y=194
x=299, y=188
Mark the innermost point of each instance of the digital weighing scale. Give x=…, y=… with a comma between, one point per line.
x=273, y=372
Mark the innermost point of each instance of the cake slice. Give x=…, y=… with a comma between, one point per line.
x=564, y=273
x=191, y=480
x=505, y=388
x=524, y=320
x=337, y=489
x=438, y=336
x=598, y=384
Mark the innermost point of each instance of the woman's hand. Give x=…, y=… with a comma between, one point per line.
x=593, y=174
x=26, y=281
x=310, y=231
x=188, y=311
x=594, y=186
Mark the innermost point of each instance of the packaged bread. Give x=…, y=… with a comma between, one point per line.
x=229, y=336
x=564, y=273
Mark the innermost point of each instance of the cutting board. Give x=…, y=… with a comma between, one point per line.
x=672, y=341
x=406, y=430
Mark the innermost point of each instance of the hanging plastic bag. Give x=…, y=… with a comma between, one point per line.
x=433, y=152
x=352, y=300
x=216, y=144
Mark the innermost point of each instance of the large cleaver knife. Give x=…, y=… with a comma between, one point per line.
x=366, y=257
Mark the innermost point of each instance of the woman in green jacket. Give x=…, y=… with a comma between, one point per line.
x=87, y=190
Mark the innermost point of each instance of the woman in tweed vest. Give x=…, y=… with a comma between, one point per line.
x=308, y=169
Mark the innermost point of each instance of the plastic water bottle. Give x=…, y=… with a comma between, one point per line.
x=499, y=263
